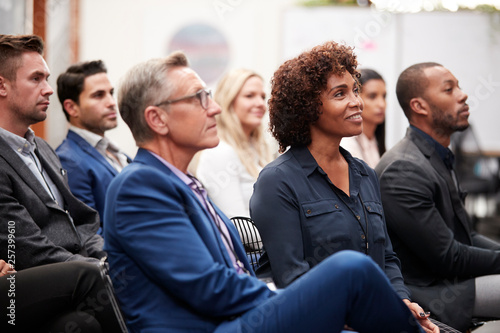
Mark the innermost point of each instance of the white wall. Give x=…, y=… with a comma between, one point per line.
x=125, y=32
x=467, y=43
x=262, y=34
x=59, y=58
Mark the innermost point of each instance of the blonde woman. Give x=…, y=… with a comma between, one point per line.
x=229, y=170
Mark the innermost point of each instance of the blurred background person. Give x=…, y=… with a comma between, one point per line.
x=229, y=170
x=370, y=144
x=90, y=158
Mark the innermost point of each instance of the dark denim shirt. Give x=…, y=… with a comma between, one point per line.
x=303, y=218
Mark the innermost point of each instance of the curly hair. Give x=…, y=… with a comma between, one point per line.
x=296, y=89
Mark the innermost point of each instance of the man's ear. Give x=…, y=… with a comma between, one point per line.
x=71, y=108
x=419, y=106
x=157, y=119
x=3, y=87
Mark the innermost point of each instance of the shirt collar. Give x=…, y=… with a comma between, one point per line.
x=356, y=168
x=444, y=152
x=92, y=138
x=23, y=145
x=305, y=159
x=172, y=168
x=95, y=140
x=309, y=164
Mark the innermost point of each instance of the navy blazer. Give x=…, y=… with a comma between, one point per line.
x=170, y=268
x=89, y=173
x=302, y=220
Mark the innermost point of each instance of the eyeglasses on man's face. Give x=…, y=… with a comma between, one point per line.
x=203, y=95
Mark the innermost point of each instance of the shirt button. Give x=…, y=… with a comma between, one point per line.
x=363, y=237
x=358, y=217
x=369, y=208
x=308, y=211
x=336, y=206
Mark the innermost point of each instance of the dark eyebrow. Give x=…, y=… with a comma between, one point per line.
x=39, y=73
x=336, y=87
x=99, y=91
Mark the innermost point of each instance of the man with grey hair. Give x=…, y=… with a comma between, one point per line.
x=188, y=268
x=450, y=269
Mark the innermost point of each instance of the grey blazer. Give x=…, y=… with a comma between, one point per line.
x=34, y=230
x=431, y=231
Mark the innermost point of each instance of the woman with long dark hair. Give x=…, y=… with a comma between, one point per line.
x=370, y=144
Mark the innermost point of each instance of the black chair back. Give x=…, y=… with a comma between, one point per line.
x=104, y=269
x=250, y=238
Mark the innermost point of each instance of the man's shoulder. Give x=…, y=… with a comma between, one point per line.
x=46, y=149
x=404, y=149
x=139, y=177
x=405, y=152
x=42, y=144
x=74, y=151
x=146, y=169
x=72, y=144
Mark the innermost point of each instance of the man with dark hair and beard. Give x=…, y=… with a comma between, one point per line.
x=450, y=269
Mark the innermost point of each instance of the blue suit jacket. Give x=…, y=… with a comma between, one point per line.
x=169, y=266
x=89, y=173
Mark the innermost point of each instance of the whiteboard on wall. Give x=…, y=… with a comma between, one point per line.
x=467, y=43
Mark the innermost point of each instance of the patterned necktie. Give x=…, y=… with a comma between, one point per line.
x=221, y=227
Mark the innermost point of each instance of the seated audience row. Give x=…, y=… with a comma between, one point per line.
x=188, y=265
x=316, y=200
x=43, y=223
x=321, y=212
x=49, y=223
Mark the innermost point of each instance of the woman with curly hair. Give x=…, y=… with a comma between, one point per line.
x=370, y=144
x=316, y=199
x=229, y=170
